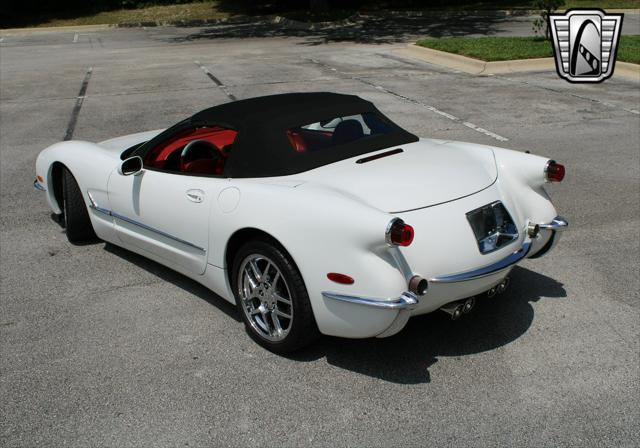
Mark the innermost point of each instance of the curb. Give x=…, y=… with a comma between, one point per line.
x=477, y=67
x=627, y=70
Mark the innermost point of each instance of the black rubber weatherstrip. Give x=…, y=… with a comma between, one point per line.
x=76, y=109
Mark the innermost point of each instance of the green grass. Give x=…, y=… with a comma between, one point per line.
x=492, y=48
x=161, y=14
x=629, y=50
x=210, y=10
x=510, y=48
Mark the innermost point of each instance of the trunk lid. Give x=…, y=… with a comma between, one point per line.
x=426, y=173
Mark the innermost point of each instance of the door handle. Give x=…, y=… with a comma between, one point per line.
x=196, y=196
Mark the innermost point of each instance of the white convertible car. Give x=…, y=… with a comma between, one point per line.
x=313, y=212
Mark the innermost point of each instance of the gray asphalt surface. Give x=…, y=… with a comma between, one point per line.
x=100, y=347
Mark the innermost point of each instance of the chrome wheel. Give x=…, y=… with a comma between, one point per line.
x=265, y=296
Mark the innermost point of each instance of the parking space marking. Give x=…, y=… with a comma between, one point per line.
x=217, y=82
x=76, y=108
x=75, y=38
x=417, y=102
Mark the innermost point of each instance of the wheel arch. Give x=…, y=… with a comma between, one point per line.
x=241, y=236
x=55, y=185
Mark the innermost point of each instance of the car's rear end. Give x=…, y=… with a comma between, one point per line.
x=461, y=229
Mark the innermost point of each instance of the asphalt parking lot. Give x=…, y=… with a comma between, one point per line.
x=100, y=347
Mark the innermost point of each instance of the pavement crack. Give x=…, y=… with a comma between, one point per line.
x=76, y=108
x=217, y=82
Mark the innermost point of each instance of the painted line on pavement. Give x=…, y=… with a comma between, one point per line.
x=217, y=82
x=417, y=102
x=76, y=109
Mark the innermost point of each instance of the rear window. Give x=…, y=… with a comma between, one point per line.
x=337, y=131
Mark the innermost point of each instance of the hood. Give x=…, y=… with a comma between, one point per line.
x=119, y=144
x=426, y=173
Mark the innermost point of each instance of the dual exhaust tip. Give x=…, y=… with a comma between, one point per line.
x=499, y=288
x=460, y=307
x=457, y=309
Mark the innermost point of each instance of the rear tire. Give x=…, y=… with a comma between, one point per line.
x=76, y=216
x=265, y=300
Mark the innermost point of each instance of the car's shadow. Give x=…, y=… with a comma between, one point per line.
x=175, y=278
x=406, y=357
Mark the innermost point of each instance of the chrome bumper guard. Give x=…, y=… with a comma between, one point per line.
x=403, y=304
x=558, y=223
x=38, y=186
x=407, y=300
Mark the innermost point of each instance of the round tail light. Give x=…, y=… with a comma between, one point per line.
x=554, y=172
x=399, y=233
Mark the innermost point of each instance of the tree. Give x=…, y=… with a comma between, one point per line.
x=546, y=7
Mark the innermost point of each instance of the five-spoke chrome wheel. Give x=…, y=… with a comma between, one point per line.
x=265, y=297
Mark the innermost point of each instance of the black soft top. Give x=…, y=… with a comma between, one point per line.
x=262, y=148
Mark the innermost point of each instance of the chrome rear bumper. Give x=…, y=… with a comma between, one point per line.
x=407, y=300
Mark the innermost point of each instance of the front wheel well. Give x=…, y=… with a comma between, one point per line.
x=56, y=183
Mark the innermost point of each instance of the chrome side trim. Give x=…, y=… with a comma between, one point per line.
x=487, y=270
x=407, y=300
x=558, y=223
x=113, y=214
x=38, y=186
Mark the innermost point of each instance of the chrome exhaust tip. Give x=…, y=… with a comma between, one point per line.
x=468, y=305
x=418, y=285
x=454, y=309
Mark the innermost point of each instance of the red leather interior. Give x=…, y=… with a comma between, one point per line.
x=203, y=166
x=220, y=137
x=297, y=141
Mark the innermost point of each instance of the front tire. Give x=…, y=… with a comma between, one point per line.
x=272, y=298
x=76, y=216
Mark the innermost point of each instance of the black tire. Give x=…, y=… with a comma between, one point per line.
x=303, y=329
x=76, y=216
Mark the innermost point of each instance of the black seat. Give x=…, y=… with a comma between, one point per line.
x=347, y=131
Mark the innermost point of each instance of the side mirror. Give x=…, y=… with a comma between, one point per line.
x=132, y=165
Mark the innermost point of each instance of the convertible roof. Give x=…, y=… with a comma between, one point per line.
x=262, y=148
x=296, y=108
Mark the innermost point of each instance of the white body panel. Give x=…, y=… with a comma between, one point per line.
x=330, y=219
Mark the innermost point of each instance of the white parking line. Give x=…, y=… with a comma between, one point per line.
x=420, y=103
x=75, y=38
